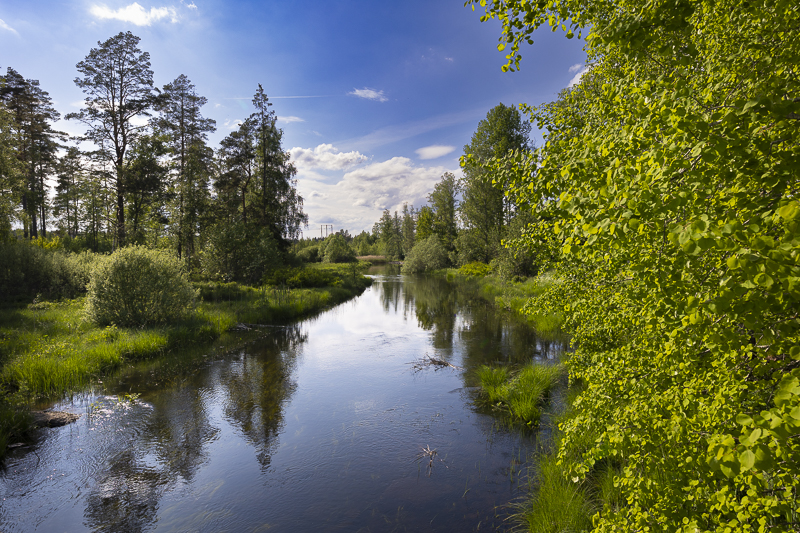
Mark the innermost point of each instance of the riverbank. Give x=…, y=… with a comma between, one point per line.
x=47, y=349
x=511, y=295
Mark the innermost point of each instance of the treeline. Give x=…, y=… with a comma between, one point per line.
x=150, y=176
x=465, y=220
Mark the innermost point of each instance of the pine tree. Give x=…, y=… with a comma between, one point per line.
x=118, y=83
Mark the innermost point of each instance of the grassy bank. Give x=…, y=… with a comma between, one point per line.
x=48, y=349
x=511, y=295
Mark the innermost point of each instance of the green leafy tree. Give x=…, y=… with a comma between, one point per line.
x=445, y=207
x=118, y=84
x=426, y=220
x=669, y=181
x=485, y=210
x=409, y=228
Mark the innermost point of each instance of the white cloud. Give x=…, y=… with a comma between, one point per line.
x=232, y=124
x=135, y=14
x=369, y=94
x=356, y=201
x=191, y=6
x=432, y=152
x=575, y=68
x=289, y=120
x=326, y=157
x=576, y=79
x=5, y=26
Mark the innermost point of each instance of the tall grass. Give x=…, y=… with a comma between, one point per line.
x=521, y=394
x=557, y=505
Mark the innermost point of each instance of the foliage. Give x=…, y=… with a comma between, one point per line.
x=476, y=268
x=337, y=250
x=485, y=211
x=669, y=180
x=27, y=270
x=429, y=254
x=137, y=287
x=309, y=254
x=239, y=252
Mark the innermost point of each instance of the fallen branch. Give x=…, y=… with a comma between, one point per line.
x=428, y=361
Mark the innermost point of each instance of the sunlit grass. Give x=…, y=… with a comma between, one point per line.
x=520, y=394
x=558, y=505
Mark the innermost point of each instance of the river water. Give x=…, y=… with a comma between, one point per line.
x=323, y=425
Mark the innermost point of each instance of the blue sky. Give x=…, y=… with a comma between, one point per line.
x=376, y=99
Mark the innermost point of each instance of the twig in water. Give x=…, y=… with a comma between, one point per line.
x=428, y=361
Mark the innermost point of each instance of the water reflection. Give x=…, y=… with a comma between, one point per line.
x=454, y=313
x=172, y=431
x=316, y=426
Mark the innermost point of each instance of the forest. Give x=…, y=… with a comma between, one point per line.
x=658, y=221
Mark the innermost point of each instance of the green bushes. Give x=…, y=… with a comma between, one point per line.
x=238, y=252
x=27, y=270
x=337, y=250
x=136, y=287
x=309, y=254
x=476, y=269
x=521, y=396
x=428, y=254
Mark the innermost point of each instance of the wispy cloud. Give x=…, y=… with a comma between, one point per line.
x=135, y=13
x=327, y=157
x=190, y=6
x=232, y=124
x=399, y=132
x=435, y=151
x=290, y=119
x=579, y=71
x=369, y=94
x=5, y=26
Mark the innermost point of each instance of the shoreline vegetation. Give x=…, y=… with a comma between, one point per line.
x=49, y=349
x=517, y=396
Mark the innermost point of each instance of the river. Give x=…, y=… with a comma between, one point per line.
x=323, y=425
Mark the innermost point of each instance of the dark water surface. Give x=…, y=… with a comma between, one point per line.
x=317, y=426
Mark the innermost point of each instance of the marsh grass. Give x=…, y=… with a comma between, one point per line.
x=558, y=505
x=520, y=394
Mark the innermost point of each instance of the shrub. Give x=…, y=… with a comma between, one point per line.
x=136, y=287
x=476, y=268
x=309, y=255
x=428, y=254
x=338, y=251
x=27, y=270
x=239, y=252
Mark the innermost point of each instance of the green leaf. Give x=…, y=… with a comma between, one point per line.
x=747, y=459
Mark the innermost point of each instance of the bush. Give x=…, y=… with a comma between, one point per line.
x=239, y=252
x=428, y=254
x=309, y=255
x=338, y=251
x=137, y=287
x=27, y=270
x=476, y=268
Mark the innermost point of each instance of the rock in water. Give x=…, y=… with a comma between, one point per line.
x=53, y=419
